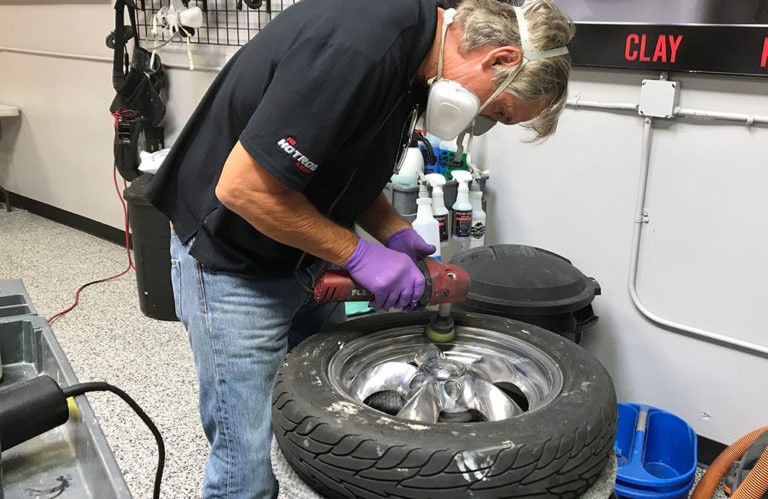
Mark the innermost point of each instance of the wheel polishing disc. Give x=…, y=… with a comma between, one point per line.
x=440, y=336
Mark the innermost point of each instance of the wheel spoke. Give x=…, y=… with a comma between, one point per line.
x=496, y=369
x=487, y=399
x=389, y=376
x=424, y=406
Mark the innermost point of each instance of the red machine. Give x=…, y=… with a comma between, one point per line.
x=446, y=283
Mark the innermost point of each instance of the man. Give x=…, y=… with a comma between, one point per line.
x=290, y=147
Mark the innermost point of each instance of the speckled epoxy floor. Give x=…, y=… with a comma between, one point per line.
x=107, y=338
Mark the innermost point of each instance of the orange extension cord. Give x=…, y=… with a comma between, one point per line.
x=756, y=483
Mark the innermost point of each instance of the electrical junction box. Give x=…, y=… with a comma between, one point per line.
x=658, y=98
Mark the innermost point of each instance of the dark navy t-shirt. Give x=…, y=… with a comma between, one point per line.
x=320, y=98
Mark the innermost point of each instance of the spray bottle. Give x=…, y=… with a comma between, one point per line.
x=462, y=208
x=439, y=211
x=425, y=224
x=477, y=232
x=411, y=167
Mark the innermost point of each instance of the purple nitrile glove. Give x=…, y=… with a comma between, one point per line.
x=409, y=241
x=391, y=276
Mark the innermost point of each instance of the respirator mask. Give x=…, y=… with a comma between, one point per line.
x=452, y=108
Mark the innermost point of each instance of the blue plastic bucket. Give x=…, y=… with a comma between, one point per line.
x=629, y=492
x=655, y=452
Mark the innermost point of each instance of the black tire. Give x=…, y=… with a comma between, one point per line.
x=343, y=448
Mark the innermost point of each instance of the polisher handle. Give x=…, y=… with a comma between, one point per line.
x=445, y=283
x=337, y=285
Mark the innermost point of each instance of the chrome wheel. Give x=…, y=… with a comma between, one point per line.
x=371, y=408
x=480, y=376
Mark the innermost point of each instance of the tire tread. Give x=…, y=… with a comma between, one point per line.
x=343, y=464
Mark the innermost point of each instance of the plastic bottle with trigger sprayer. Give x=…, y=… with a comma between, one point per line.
x=477, y=231
x=411, y=168
x=439, y=211
x=425, y=224
x=462, y=208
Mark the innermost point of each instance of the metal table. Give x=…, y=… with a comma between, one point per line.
x=72, y=460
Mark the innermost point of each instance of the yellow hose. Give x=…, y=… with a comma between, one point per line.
x=705, y=489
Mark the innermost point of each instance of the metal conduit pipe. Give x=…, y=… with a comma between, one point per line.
x=642, y=188
x=748, y=119
x=59, y=55
x=576, y=102
x=640, y=214
x=94, y=58
x=682, y=112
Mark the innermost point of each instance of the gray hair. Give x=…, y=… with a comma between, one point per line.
x=493, y=22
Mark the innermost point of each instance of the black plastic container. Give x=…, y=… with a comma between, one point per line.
x=531, y=285
x=151, y=235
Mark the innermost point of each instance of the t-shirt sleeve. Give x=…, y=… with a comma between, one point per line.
x=319, y=93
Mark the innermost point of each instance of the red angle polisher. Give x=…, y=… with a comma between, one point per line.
x=445, y=284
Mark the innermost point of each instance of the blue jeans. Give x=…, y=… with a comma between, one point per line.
x=240, y=328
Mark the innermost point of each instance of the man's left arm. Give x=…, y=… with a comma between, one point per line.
x=381, y=220
x=384, y=223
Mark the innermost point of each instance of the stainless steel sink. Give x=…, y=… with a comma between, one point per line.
x=73, y=460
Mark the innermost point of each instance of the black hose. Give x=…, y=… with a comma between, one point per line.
x=82, y=388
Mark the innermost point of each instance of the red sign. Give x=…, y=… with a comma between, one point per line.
x=661, y=48
x=701, y=48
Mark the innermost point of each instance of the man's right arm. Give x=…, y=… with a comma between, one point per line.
x=279, y=212
x=287, y=216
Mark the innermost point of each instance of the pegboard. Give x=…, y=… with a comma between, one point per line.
x=225, y=22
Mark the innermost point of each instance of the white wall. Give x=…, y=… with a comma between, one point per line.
x=701, y=261
x=55, y=66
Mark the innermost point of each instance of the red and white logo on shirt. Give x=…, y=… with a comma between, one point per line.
x=303, y=163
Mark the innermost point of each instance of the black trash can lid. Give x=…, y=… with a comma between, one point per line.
x=136, y=191
x=516, y=279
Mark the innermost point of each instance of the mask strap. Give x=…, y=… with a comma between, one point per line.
x=470, y=166
x=504, y=84
x=531, y=53
x=460, y=144
x=460, y=151
x=447, y=19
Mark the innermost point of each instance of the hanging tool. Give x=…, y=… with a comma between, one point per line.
x=175, y=20
x=204, y=2
x=445, y=284
x=253, y=4
x=128, y=33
